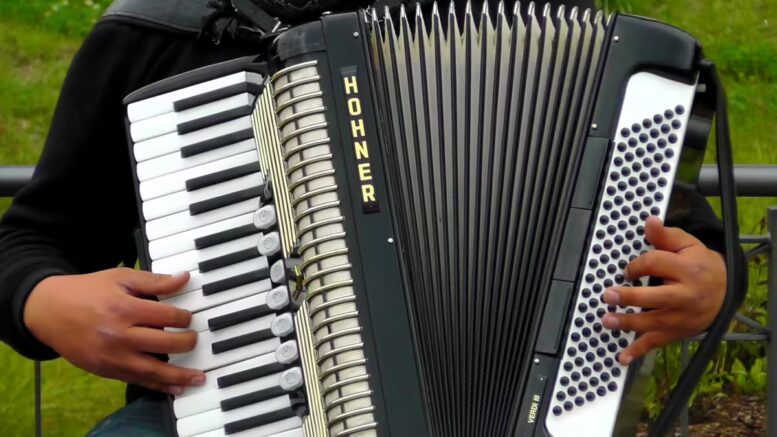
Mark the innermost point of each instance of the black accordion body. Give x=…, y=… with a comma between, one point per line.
x=403, y=223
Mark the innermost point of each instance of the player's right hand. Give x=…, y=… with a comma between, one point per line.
x=101, y=323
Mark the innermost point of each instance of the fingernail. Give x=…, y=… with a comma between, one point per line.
x=626, y=359
x=610, y=321
x=180, y=275
x=612, y=297
x=198, y=380
x=626, y=273
x=176, y=390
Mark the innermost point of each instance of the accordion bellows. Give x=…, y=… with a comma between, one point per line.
x=485, y=113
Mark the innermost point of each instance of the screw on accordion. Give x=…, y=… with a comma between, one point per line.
x=402, y=222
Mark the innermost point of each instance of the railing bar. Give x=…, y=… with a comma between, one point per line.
x=751, y=323
x=13, y=178
x=737, y=336
x=38, y=400
x=751, y=181
x=753, y=253
x=771, y=311
x=684, y=416
x=754, y=239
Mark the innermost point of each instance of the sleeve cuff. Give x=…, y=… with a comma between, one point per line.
x=26, y=343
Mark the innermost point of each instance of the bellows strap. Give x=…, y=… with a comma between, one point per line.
x=175, y=15
x=698, y=364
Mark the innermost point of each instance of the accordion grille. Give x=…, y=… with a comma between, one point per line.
x=485, y=111
x=318, y=220
x=266, y=133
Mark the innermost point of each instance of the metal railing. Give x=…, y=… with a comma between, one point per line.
x=13, y=178
x=751, y=181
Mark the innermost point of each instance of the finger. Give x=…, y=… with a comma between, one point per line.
x=152, y=284
x=663, y=296
x=156, y=314
x=646, y=343
x=146, y=369
x=175, y=390
x=157, y=341
x=638, y=322
x=668, y=238
x=657, y=263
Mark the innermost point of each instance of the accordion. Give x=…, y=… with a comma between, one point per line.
x=402, y=223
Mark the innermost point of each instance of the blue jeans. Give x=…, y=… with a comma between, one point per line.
x=142, y=417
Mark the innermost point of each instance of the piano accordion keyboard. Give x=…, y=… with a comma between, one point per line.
x=207, y=207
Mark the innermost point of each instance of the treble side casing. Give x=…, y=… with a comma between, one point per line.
x=342, y=210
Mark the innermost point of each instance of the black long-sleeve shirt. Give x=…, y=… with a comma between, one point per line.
x=78, y=214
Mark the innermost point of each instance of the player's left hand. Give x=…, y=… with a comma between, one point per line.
x=694, y=285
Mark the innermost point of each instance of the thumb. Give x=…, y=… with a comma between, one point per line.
x=667, y=238
x=151, y=284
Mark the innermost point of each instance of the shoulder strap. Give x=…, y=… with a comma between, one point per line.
x=176, y=15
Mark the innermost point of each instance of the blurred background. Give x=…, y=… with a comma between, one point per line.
x=39, y=37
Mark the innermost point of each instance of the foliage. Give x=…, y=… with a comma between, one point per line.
x=67, y=17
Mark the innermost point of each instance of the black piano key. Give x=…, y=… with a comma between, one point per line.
x=224, y=236
x=225, y=200
x=221, y=176
x=241, y=340
x=297, y=408
x=235, y=281
x=214, y=119
x=221, y=93
x=241, y=316
x=215, y=143
x=229, y=259
x=251, y=398
x=250, y=374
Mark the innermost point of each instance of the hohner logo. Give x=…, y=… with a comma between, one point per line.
x=360, y=147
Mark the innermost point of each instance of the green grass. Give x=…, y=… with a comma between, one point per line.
x=39, y=37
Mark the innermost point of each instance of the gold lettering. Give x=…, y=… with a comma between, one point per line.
x=351, y=87
x=357, y=128
x=368, y=193
x=354, y=106
x=362, y=152
x=364, y=171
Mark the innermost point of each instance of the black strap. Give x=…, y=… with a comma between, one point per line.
x=698, y=364
x=192, y=16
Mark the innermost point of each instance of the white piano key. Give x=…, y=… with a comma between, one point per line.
x=296, y=432
x=286, y=353
x=197, y=279
x=168, y=122
x=173, y=143
x=203, y=358
x=164, y=102
x=195, y=301
x=215, y=419
x=291, y=427
x=181, y=200
x=184, y=241
x=188, y=261
x=174, y=182
x=287, y=380
x=173, y=162
x=278, y=298
x=183, y=221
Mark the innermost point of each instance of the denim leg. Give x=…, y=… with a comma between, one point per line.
x=143, y=417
